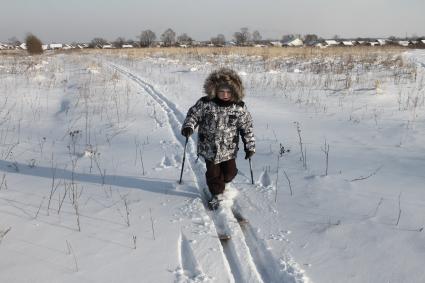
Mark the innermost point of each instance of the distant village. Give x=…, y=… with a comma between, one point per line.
x=186, y=42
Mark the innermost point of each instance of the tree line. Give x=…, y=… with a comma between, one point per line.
x=148, y=38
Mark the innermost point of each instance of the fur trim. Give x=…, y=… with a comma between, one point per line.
x=226, y=76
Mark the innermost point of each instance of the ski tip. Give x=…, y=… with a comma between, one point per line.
x=243, y=221
x=240, y=218
x=224, y=237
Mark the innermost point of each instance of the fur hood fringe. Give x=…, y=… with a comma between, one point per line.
x=224, y=76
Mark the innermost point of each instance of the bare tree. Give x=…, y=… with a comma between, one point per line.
x=119, y=42
x=168, y=37
x=13, y=41
x=132, y=42
x=98, y=42
x=256, y=36
x=288, y=37
x=310, y=38
x=219, y=40
x=242, y=37
x=34, y=45
x=184, y=39
x=147, y=38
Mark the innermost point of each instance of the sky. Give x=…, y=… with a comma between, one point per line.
x=83, y=20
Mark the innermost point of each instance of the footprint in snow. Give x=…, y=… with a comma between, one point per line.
x=265, y=180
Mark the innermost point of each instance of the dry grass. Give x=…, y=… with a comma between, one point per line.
x=265, y=53
x=12, y=52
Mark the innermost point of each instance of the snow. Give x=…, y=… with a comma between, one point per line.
x=91, y=154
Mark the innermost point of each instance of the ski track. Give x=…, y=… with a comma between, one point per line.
x=246, y=255
x=190, y=270
x=266, y=264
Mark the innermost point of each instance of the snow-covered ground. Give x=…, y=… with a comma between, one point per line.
x=90, y=156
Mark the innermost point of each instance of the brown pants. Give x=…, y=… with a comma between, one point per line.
x=219, y=174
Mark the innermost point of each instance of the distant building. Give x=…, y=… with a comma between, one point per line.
x=404, y=43
x=276, y=43
x=348, y=43
x=107, y=46
x=54, y=46
x=296, y=42
x=67, y=47
x=331, y=42
x=320, y=45
x=127, y=46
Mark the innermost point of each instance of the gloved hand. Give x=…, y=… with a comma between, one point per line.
x=249, y=154
x=187, y=132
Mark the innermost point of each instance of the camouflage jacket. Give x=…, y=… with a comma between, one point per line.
x=220, y=125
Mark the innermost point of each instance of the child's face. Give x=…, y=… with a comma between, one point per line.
x=224, y=94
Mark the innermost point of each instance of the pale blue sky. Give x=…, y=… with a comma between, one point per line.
x=82, y=20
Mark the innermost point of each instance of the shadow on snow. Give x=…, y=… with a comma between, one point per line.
x=145, y=184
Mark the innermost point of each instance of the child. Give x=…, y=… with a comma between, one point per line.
x=221, y=116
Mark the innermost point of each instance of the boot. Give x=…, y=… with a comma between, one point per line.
x=214, y=203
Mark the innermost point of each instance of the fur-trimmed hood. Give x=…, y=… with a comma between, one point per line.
x=224, y=76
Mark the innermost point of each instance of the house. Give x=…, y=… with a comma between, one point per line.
x=348, y=43
x=107, y=46
x=82, y=45
x=54, y=46
x=420, y=44
x=295, y=42
x=382, y=41
x=331, y=42
x=196, y=43
x=127, y=46
x=404, y=43
x=4, y=46
x=276, y=43
x=67, y=47
x=22, y=46
x=320, y=45
x=44, y=46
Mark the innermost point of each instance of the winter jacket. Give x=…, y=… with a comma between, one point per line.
x=220, y=123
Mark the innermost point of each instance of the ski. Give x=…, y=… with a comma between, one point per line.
x=224, y=237
x=238, y=216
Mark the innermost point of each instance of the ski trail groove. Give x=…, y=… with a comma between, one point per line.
x=190, y=269
x=267, y=266
x=247, y=259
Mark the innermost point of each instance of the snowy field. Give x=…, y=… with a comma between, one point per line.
x=91, y=152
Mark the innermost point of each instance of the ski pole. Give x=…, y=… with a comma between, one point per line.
x=184, y=159
x=250, y=168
